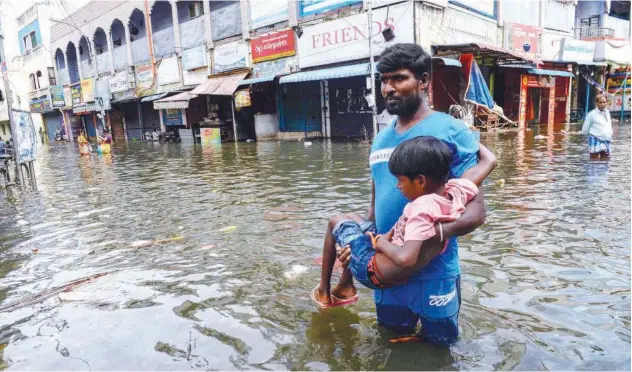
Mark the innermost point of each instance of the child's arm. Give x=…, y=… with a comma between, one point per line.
x=404, y=257
x=485, y=166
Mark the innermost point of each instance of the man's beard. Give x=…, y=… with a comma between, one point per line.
x=403, y=106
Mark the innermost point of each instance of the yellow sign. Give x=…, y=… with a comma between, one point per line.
x=242, y=98
x=87, y=90
x=210, y=136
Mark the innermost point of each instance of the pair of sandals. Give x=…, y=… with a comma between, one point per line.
x=335, y=301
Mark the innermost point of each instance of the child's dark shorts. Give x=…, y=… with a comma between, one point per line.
x=354, y=235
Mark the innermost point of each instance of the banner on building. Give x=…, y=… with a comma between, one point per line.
x=273, y=68
x=172, y=117
x=168, y=71
x=230, y=56
x=572, y=50
x=68, y=97
x=194, y=57
x=87, y=90
x=242, y=98
x=25, y=136
x=312, y=7
x=57, y=95
x=119, y=82
x=76, y=95
x=347, y=38
x=40, y=105
x=195, y=77
x=144, y=76
x=267, y=12
x=225, y=19
x=273, y=46
x=523, y=39
x=210, y=136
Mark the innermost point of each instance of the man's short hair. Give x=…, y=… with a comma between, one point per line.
x=421, y=156
x=405, y=55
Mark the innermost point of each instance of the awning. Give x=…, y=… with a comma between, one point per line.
x=539, y=71
x=485, y=51
x=179, y=101
x=154, y=97
x=448, y=61
x=221, y=85
x=328, y=73
x=262, y=79
x=85, y=109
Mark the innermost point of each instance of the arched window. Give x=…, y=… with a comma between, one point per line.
x=38, y=77
x=33, y=83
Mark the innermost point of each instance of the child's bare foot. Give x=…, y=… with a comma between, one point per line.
x=344, y=291
x=321, y=297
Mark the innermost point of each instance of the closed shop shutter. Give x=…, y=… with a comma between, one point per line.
x=90, y=125
x=52, y=120
x=134, y=128
x=349, y=111
x=301, y=106
x=151, y=117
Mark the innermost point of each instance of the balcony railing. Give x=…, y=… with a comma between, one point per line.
x=103, y=63
x=192, y=33
x=164, y=43
x=588, y=32
x=39, y=93
x=140, y=51
x=120, y=57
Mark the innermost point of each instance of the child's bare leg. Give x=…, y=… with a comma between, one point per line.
x=345, y=287
x=322, y=294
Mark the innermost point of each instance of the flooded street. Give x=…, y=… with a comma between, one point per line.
x=546, y=281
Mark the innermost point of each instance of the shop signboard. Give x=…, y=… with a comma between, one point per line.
x=522, y=111
x=87, y=90
x=172, y=117
x=119, y=82
x=144, y=76
x=242, y=98
x=26, y=137
x=225, y=19
x=76, y=95
x=230, y=56
x=311, y=7
x=273, y=68
x=210, y=136
x=57, y=95
x=195, y=57
x=523, y=39
x=273, y=46
x=267, y=12
x=572, y=50
x=347, y=38
x=168, y=71
x=195, y=77
x=617, y=101
x=68, y=96
x=540, y=81
x=40, y=105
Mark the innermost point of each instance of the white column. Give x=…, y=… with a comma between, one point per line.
x=111, y=50
x=208, y=35
x=245, y=19
x=128, y=45
x=176, y=27
x=292, y=6
x=79, y=62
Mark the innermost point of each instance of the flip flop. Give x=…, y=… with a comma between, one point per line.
x=406, y=339
x=335, y=300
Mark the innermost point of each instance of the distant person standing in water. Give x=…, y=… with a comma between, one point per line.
x=598, y=127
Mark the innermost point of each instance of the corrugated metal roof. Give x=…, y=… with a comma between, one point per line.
x=539, y=71
x=485, y=50
x=256, y=80
x=448, y=61
x=220, y=85
x=327, y=73
x=153, y=97
x=179, y=101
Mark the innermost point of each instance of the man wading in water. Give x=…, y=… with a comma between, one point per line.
x=432, y=295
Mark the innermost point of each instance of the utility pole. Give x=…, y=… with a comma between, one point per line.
x=9, y=95
x=372, y=68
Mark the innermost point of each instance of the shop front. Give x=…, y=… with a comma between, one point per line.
x=122, y=95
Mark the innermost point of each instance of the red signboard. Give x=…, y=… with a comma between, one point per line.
x=273, y=46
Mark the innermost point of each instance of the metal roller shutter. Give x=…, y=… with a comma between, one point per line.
x=301, y=106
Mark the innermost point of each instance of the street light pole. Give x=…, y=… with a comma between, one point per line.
x=372, y=68
x=9, y=98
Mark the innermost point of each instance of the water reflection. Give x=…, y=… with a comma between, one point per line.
x=545, y=281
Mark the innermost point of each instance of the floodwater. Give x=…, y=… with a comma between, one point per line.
x=546, y=281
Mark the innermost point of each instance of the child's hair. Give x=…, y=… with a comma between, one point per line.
x=421, y=156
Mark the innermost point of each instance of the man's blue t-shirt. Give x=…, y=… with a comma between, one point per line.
x=390, y=202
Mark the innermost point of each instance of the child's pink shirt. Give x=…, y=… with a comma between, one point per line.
x=419, y=217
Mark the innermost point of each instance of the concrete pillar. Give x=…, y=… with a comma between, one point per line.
x=245, y=19
x=128, y=45
x=208, y=35
x=292, y=7
x=111, y=50
x=79, y=62
x=176, y=27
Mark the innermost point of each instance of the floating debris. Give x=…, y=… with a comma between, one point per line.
x=501, y=182
x=147, y=243
x=295, y=272
x=539, y=137
x=227, y=229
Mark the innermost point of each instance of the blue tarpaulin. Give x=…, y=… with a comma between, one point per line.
x=477, y=90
